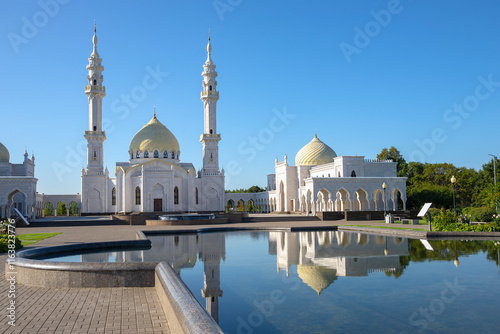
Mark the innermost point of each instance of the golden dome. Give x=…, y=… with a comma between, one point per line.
x=154, y=135
x=318, y=278
x=314, y=153
x=4, y=154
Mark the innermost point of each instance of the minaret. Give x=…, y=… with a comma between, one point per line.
x=212, y=251
x=95, y=91
x=210, y=138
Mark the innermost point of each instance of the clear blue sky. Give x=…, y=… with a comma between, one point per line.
x=365, y=80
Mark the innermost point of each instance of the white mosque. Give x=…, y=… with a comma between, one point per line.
x=17, y=185
x=154, y=178
x=321, y=181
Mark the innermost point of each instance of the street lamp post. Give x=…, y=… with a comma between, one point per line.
x=453, y=180
x=495, y=178
x=385, y=208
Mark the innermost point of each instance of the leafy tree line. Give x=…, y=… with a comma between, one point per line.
x=430, y=182
x=252, y=189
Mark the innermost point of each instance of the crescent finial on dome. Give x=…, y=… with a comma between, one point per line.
x=209, y=48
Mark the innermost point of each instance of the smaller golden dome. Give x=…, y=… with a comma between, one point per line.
x=314, y=153
x=4, y=153
x=154, y=135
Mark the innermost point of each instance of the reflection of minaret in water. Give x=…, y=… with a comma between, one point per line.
x=212, y=250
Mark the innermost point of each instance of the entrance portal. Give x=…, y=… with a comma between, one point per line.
x=158, y=205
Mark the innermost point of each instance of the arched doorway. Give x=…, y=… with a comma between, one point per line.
x=158, y=192
x=282, y=197
x=94, y=201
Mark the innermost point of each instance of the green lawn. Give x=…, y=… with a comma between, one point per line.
x=28, y=239
x=390, y=227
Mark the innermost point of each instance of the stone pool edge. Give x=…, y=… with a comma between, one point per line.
x=428, y=235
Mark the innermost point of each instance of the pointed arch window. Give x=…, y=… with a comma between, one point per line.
x=353, y=174
x=176, y=195
x=210, y=87
x=196, y=196
x=165, y=154
x=95, y=155
x=156, y=154
x=146, y=154
x=137, y=196
x=113, y=196
x=138, y=154
x=173, y=154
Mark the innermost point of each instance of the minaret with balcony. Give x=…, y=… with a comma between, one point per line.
x=95, y=192
x=95, y=92
x=210, y=138
x=212, y=251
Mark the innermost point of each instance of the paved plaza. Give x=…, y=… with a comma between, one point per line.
x=98, y=310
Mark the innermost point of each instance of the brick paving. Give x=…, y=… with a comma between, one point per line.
x=97, y=310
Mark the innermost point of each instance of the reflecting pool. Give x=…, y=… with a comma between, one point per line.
x=331, y=281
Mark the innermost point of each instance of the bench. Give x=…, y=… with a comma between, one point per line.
x=410, y=221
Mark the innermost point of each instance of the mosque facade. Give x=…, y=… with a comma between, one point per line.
x=154, y=179
x=17, y=185
x=321, y=181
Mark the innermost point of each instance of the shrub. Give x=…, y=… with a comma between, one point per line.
x=434, y=212
x=4, y=244
x=482, y=214
x=446, y=220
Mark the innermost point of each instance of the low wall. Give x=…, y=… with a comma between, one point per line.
x=48, y=274
x=134, y=219
x=182, y=309
x=378, y=215
x=187, y=222
x=331, y=215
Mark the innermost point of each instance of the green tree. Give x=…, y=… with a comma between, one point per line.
x=49, y=209
x=73, y=209
x=252, y=189
x=255, y=189
x=396, y=156
x=61, y=209
x=490, y=196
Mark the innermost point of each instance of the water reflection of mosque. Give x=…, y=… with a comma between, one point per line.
x=181, y=251
x=321, y=257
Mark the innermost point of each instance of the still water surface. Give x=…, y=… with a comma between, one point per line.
x=324, y=282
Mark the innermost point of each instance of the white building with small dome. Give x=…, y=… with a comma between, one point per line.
x=154, y=179
x=321, y=181
x=17, y=185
